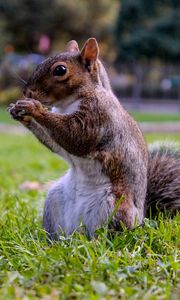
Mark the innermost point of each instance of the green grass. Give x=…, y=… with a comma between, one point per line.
x=154, y=137
x=5, y=117
x=156, y=117
x=139, y=264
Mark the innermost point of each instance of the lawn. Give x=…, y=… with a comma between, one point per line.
x=139, y=264
x=155, y=117
x=5, y=117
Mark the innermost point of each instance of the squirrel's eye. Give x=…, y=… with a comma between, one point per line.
x=60, y=71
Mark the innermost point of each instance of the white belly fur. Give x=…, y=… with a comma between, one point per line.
x=82, y=195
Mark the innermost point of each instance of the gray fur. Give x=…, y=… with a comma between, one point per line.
x=163, y=190
x=74, y=199
x=105, y=149
x=104, y=79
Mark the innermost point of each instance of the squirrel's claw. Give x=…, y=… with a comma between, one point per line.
x=12, y=111
x=16, y=111
x=24, y=108
x=11, y=105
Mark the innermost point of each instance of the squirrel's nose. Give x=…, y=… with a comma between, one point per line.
x=28, y=93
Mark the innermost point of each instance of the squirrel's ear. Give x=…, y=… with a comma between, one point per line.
x=90, y=52
x=72, y=46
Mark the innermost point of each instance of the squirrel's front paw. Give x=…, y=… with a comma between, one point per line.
x=15, y=112
x=24, y=108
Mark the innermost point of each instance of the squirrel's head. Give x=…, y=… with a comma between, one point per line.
x=62, y=75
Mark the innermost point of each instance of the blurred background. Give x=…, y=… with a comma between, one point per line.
x=139, y=44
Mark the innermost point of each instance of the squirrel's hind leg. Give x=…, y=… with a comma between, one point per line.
x=53, y=221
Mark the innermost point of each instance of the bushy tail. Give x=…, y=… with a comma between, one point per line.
x=163, y=191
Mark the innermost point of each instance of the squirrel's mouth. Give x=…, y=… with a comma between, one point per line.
x=46, y=102
x=40, y=96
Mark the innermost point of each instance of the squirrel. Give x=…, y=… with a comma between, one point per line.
x=70, y=107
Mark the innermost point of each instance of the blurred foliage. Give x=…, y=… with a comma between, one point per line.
x=148, y=29
x=26, y=20
x=15, y=69
x=23, y=22
x=4, y=36
x=139, y=33
x=9, y=95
